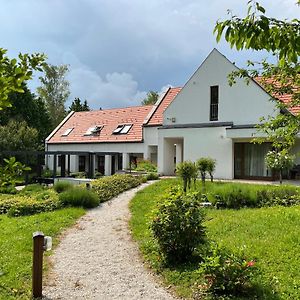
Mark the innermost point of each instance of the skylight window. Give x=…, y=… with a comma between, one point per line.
x=93, y=130
x=67, y=132
x=122, y=129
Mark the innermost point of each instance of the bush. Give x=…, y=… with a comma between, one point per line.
x=108, y=187
x=8, y=190
x=227, y=273
x=152, y=176
x=33, y=188
x=187, y=171
x=22, y=206
x=178, y=226
x=62, y=186
x=78, y=175
x=146, y=165
x=79, y=197
x=234, y=195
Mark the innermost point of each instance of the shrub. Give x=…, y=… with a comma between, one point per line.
x=8, y=190
x=62, y=186
x=227, y=273
x=146, y=165
x=178, y=226
x=23, y=206
x=111, y=186
x=32, y=188
x=206, y=165
x=278, y=195
x=78, y=196
x=234, y=195
x=78, y=175
x=152, y=176
x=186, y=171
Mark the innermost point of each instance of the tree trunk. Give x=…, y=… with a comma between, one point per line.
x=280, y=176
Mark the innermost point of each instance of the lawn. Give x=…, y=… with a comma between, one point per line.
x=269, y=235
x=16, y=247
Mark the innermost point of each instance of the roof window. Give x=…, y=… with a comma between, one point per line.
x=122, y=129
x=94, y=130
x=67, y=132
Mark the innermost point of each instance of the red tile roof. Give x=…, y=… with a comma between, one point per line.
x=157, y=116
x=110, y=119
x=285, y=98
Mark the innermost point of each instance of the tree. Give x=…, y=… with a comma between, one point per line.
x=152, y=97
x=54, y=91
x=186, y=171
x=27, y=107
x=13, y=73
x=76, y=105
x=282, y=39
x=18, y=136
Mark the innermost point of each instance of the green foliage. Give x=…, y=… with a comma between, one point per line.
x=62, y=186
x=14, y=72
x=146, y=165
x=76, y=105
x=152, y=176
x=258, y=32
x=270, y=235
x=205, y=165
x=54, y=91
x=18, y=136
x=151, y=99
x=23, y=206
x=10, y=172
x=33, y=188
x=111, y=186
x=178, y=226
x=8, y=190
x=79, y=197
x=78, y=174
x=16, y=248
x=235, y=195
x=227, y=273
x=186, y=171
x=27, y=107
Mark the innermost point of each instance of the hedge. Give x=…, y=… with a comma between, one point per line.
x=108, y=187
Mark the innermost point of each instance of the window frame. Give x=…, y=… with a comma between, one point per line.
x=120, y=129
x=214, y=103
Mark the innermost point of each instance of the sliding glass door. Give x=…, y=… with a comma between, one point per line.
x=249, y=161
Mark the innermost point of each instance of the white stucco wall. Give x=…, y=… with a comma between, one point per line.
x=200, y=142
x=241, y=103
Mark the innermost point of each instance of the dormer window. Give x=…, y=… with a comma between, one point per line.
x=94, y=130
x=67, y=132
x=122, y=129
x=214, y=103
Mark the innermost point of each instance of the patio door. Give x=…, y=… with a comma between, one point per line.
x=249, y=161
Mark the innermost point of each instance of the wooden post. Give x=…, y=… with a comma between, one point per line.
x=37, y=264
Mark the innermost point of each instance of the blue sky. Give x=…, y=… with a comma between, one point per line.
x=117, y=50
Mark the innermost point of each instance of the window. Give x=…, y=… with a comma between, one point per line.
x=67, y=132
x=95, y=130
x=122, y=129
x=214, y=102
x=81, y=163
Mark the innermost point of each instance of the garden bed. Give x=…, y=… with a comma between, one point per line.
x=270, y=235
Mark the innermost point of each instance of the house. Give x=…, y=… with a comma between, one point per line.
x=206, y=117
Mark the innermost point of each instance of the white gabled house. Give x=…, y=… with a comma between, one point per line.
x=206, y=117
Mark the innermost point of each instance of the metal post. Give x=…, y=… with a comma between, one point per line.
x=37, y=265
x=54, y=165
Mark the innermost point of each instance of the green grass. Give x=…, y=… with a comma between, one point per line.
x=16, y=247
x=270, y=235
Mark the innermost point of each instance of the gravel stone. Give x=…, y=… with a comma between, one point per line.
x=97, y=258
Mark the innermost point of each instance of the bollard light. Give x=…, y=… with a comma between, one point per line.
x=47, y=243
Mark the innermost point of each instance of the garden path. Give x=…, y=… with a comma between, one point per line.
x=97, y=259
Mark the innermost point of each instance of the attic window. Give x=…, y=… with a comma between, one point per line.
x=67, y=132
x=122, y=129
x=93, y=130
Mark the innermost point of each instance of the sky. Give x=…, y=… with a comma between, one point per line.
x=118, y=50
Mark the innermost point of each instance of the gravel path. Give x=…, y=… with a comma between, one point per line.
x=98, y=260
